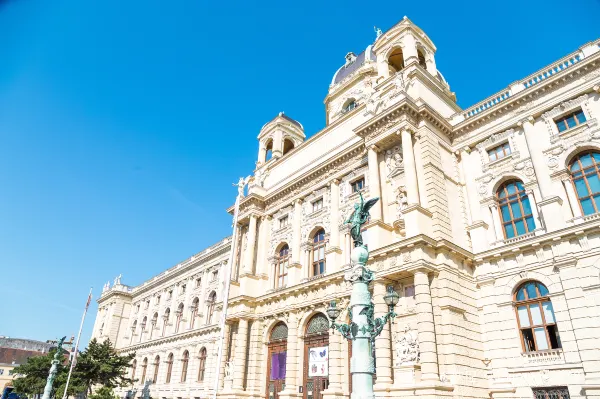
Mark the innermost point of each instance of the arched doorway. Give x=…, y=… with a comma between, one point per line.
x=276, y=360
x=316, y=357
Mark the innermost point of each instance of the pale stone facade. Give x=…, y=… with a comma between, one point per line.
x=174, y=312
x=484, y=227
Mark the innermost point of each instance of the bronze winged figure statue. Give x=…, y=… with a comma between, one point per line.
x=359, y=217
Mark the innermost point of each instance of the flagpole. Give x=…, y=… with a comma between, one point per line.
x=77, y=345
x=226, y=293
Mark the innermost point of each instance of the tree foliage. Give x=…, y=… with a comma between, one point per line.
x=32, y=375
x=98, y=365
x=103, y=393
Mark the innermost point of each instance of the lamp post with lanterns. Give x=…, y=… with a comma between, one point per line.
x=363, y=327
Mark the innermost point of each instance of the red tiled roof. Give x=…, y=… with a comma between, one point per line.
x=17, y=356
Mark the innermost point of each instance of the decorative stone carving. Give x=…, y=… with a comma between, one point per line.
x=394, y=163
x=401, y=201
x=406, y=345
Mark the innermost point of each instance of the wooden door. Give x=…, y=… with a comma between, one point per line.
x=277, y=351
x=276, y=384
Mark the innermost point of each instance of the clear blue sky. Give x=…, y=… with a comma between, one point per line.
x=124, y=123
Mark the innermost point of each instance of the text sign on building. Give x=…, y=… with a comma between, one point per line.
x=318, y=361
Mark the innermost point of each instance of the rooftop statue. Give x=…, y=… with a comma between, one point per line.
x=359, y=217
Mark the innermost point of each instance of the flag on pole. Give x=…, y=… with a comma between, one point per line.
x=87, y=305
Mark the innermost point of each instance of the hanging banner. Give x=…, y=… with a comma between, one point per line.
x=318, y=361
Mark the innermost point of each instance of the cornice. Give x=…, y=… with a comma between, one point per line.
x=318, y=175
x=172, y=338
x=403, y=111
x=577, y=71
x=537, y=241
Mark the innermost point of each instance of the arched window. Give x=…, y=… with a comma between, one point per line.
x=396, y=60
x=133, y=367
x=269, y=149
x=281, y=267
x=202, y=365
x=166, y=321
x=421, y=57
x=585, y=175
x=318, y=253
x=210, y=307
x=349, y=106
x=144, y=368
x=156, y=365
x=535, y=316
x=179, y=315
x=288, y=145
x=515, y=210
x=184, y=365
x=195, y=304
x=169, y=368
x=153, y=324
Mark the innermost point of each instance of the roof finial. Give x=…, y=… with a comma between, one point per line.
x=281, y=113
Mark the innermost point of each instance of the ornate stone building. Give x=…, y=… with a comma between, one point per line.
x=488, y=227
x=171, y=323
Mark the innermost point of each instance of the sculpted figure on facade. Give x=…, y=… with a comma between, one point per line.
x=407, y=346
x=402, y=201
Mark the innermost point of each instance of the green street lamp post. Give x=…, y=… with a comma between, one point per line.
x=364, y=327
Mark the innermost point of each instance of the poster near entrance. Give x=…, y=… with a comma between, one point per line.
x=318, y=361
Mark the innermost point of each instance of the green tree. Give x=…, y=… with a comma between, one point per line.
x=98, y=365
x=101, y=365
x=31, y=376
x=103, y=393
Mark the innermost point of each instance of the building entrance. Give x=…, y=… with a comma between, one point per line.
x=276, y=361
x=316, y=357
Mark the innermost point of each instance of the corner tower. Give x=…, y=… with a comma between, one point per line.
x=278, y=137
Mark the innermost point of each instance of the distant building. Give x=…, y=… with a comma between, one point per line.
x=16, y=351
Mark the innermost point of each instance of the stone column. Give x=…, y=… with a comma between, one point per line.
x=240, y=355
x=550, y=204
x=572, y=196
x=292, y=377
x=426, y=327
x=498, y=229
x=534, y=209
x=336, y=368
x=477, y=228
x=334, y=216
x=295, y=264
x=262, y=153
x=374, y=183
x=277, y=144
x=383, y=347
x=221, y=371
x=250, y=246
x=416, y=218
x=410, y=171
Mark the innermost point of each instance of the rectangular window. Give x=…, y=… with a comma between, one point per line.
x=409, y=291
x=283, y=222
x=358, y=185
x=215, y=274
x=499, y=152
x=198, y=282
x=183, y=289
x=158, y=300
x=317, y=205
x=569, y=121
x=1, y=371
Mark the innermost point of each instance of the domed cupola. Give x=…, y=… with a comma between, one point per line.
x=278, y=137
